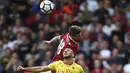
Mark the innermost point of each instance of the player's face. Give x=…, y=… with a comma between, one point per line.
x=68, y=53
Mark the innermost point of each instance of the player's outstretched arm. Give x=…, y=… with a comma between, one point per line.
x=56, y=38
x=34, y=69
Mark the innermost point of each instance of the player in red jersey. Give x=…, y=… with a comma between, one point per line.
x=68, y=40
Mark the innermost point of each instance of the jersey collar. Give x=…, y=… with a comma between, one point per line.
x=68, y=64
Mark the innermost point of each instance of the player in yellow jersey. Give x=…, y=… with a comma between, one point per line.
x=66, y=66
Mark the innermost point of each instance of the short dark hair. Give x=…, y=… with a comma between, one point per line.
x=74, y=30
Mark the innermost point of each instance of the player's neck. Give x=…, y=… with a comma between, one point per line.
x=68, y=61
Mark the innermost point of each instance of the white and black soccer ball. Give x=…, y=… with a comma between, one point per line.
x=46, y=6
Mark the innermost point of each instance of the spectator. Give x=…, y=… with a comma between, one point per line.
x=64, y=27
x=95, y=46
x=30, y=63
x=12, y=64
x=127, y=42
x=87, y=15
x=1, y=48
x=112, y=67
x=118, y=16
x=18, y=26
x=101, y=37
x=114, y=41
x=69, y=7
x=33, y=37
x=105, y=53
x=48, y=57
x=92, y=5
x=128, y=12
x=126, y=67
x=6, y=57
x=24, y=47
x=101, y=13
x=2, y=22
x=94, y=52
x=123, y=4
x=1, y=69
x=57, y=13
x=109, y=27
x=35, y=24
x=97, y=67
x=109, y=8
x=123, y=53
x=119, y=31
x=128, y=26
x=82, y=61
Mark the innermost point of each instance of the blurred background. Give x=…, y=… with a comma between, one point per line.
x=106, y=25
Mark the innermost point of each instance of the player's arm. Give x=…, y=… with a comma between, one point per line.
x=56, y=38
x=51, y=66
x=34, y=69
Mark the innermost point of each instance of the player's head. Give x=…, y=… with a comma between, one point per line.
x=68, y=53
x=75, y=33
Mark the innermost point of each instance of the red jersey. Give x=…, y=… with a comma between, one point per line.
x=66, y=42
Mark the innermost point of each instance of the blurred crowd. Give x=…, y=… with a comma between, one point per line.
x=106, y=27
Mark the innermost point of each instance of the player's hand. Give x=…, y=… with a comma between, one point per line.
x=47, y=43
x=19, y=68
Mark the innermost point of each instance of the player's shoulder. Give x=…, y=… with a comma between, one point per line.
x=56, y=63
x=77, y=65
x=59, y=62
x=64, y=35
x=79, y=68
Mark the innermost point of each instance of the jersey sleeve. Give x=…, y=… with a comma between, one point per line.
x=53, y=65
x=81, y=70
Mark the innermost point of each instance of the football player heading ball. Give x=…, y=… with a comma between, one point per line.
x=69, y=40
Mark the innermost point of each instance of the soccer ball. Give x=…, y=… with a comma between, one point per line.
x=46, y=6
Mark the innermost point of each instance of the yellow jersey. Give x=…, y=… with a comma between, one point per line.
x=61, y=67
